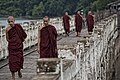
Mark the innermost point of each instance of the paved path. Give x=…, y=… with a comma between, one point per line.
x=29, y=70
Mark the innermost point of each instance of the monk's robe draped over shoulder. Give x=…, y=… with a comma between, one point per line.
x=66, y=23
x=21, y=33
x=16, y=36
x=48, y=42
x=78, y=23
x=90, y=22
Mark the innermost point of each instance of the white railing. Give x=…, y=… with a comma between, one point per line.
x=88, y=59
x=88, y=56
x=94, y=63
x=32, y=34
x=3, y=44
x=90, y=62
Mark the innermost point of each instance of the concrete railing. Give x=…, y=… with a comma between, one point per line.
x=31, y=40
x=32, y=34
x=3, y=44
x=95, y=61
x=93, y=56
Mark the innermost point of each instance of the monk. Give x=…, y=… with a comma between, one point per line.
x=15, y=36
x=47, y=40
x=66, y=23
x=90, y=21
x=78, y=23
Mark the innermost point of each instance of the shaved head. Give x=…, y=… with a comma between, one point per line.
x=66, y=13
x=46, y=20
x=89, y=12
x=78, y=12
x=11, y=20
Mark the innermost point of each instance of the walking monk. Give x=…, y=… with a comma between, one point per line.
x=66, y=23
x=78, y=23
x=90, y=21
x=15, y=36
x=47, y=40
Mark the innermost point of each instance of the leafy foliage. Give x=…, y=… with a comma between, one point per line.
x=39, y=8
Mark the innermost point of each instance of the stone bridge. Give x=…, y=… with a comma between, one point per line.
x=94, y=56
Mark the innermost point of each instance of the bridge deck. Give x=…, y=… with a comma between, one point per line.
x=29, y=70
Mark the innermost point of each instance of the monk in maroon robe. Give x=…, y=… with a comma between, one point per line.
x=47, y=40
x=66, y=23
x=15, y=36
x=78, y=23
x=90, y=21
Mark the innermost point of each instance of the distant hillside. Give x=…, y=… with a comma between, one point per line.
x=39, y=8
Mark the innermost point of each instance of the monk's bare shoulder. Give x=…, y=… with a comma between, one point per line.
x=8, y=28
x=41, y=26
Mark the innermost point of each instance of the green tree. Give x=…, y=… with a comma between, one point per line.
x=38, y=10
x=51, y=8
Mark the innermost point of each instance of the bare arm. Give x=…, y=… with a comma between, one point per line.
x=7, y=29
x=39, y=29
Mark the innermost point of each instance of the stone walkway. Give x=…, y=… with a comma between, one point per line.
x=29, y=70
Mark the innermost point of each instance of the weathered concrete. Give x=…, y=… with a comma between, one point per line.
x=29, y=68
x=90, y=57
x=66, y=46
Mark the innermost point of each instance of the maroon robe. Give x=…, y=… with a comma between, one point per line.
x=78, y=23
x=90, y=22
x=66, y=23
x=48, y=42
x=16, y=36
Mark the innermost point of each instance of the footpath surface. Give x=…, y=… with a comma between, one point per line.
x=29, y=69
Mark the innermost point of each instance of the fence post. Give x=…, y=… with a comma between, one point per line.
x=61, y=68
x=118, y=20
x=1, y=56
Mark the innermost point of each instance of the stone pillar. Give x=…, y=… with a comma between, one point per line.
x=118, y=20
x=117, y=49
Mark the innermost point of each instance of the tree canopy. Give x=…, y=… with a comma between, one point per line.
x=39, y=8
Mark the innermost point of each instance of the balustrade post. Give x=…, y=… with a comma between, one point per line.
x=61, y=68
x=1, y=56
x=118, y=20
